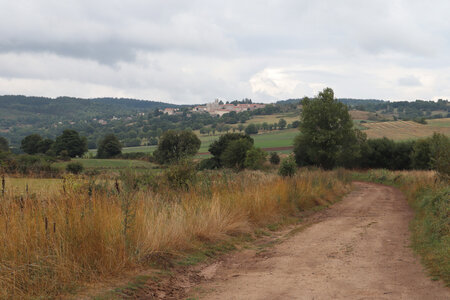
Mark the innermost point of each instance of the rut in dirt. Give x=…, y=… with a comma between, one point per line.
x=358, y=250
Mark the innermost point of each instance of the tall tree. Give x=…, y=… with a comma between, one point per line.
x=72, y=142
x=175, y=145
x=109, y=146
x=30, y=143
x=326, y=131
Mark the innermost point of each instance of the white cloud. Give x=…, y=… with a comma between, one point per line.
x=195, y=51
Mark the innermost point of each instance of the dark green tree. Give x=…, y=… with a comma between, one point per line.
x=421, y=155
x=109, y=146
x=72, y=142
x=218, y=147
x=45, y=145
x=30, y=143
x=4, y=145
x=326, y=130
x=251, y=129
x=282, y=124
x=175, y=145
x=274, y=158
x=235, y=153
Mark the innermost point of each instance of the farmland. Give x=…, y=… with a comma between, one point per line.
x=406, y=130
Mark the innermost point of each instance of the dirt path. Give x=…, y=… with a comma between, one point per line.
x=357, y=250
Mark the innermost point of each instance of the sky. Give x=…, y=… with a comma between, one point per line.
x=195, y=51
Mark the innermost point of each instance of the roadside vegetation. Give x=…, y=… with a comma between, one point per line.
x=92, y=230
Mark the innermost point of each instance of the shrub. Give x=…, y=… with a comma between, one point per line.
x=235, y=153
x=274, y=158
x=74, y=167
x=181, y=175
x=288, y=167
x=255, y=158
x=208, y=164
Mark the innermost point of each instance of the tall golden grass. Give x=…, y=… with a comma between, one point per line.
x=54, y=243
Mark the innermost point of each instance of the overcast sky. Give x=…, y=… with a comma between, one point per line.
x=196, y=51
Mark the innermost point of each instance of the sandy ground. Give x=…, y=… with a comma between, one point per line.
x=358, y=249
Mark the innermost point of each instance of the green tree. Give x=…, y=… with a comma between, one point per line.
x=235, y=153
x=4, y=145
x=218, y=147
x=251, y=129
x=30, y=143
x=45, y=145
x=282, y=124
x=109, y=146
x=175, y=145
x=72, y=142
x=274, y=158
x=421, y=155
x=440, y=155
x=255, y=158
x=326, y=131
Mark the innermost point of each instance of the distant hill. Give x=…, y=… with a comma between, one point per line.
x=17, y=107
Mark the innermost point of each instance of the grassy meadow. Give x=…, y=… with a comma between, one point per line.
x=54, y=242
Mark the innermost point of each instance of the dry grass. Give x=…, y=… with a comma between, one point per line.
x=359, y=114
x=53, y=243
x=402, y=130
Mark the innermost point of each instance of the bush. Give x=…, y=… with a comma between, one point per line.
x=181, y=175
x=255, y=158
x=274, y=158
x=74, y=167
x=288, y=167
x=209, y=164
x=235, y=153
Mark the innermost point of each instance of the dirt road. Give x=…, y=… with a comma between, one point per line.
x=358, y=249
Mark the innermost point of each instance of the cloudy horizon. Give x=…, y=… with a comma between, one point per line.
x=193, y=52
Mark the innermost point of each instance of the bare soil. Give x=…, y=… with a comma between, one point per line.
x=358, y=249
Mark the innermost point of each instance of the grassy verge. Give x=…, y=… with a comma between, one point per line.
x=52, y=244
x=430, y=198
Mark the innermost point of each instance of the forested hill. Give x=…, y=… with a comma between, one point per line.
x=21, y=108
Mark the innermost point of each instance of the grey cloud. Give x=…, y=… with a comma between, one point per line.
x=409, y=81
x=193, y=51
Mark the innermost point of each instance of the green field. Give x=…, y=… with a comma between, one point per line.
x=109, y=164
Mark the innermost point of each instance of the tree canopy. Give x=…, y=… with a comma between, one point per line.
x=30, y=143
x=175, y=145
x=109, y=146
x=326, y=132
x=72, y=142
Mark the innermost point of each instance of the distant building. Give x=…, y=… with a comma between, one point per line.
x=170, y=111
x=217, y=109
